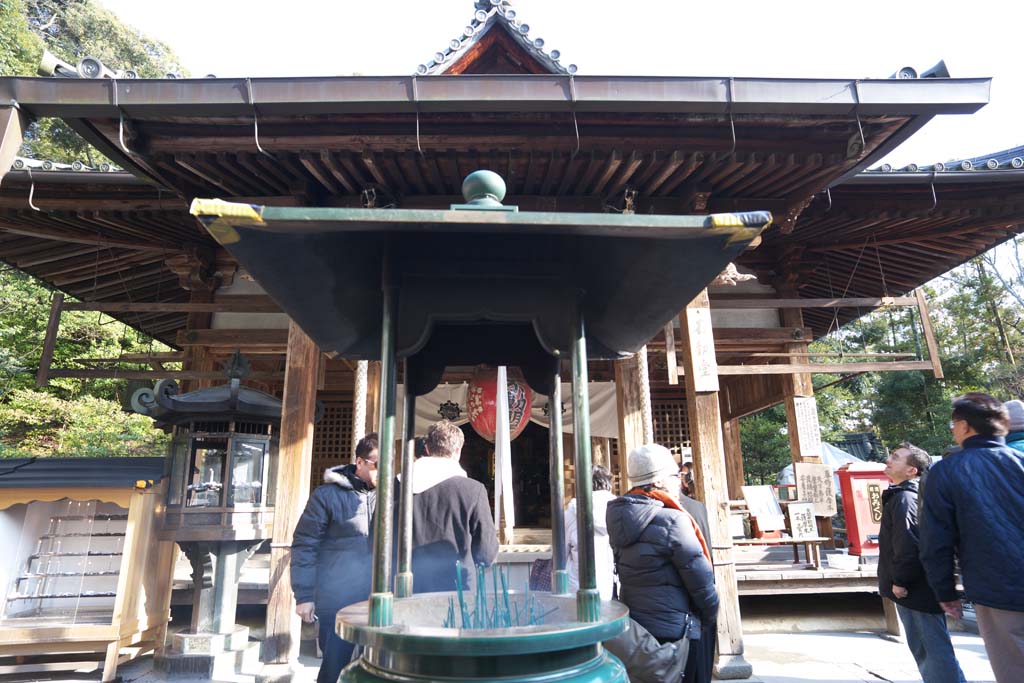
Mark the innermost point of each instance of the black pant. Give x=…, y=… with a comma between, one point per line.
x=701, y=662
x=337, y=652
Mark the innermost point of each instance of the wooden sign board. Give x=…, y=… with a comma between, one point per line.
x=764, y=506
x=808, y=427
x=801, y=519
x=702, y=348
x=814, y=483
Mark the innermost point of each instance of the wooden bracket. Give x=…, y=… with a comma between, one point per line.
x=50, y=340
x=929, y=334
x=792, y=214
x=195, y=271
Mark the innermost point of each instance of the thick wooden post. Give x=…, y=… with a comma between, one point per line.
x=373, y=379
x=633, y=398
x=281, y=644
x=733, y=458
x=701, y=372
x=802, y=409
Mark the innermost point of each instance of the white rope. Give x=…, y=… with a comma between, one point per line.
x=645, y=394
x=359, y=403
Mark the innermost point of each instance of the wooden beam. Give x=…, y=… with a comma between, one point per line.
x=73, y=238
x=705, y=422
x=635, y=428
x=191, y=375
x=830, y=368
x=670, y=354
x=929, y=334
x=234, y=304
x=49, y=340
x=233, y=337
x=864, y=302
x=281, y=643
x=726, y=335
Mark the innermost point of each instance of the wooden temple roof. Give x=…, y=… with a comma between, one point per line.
x=497, y=98
x=562, y=143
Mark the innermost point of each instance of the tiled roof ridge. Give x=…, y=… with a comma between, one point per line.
x=28, y=164
x=486, y=14
x=1011, y=159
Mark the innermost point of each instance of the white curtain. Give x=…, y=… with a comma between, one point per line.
x=604, y=414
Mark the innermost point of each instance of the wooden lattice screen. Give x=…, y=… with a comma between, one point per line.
x=332, y=439
x=671, y=425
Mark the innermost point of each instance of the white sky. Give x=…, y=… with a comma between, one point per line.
x=771, y=38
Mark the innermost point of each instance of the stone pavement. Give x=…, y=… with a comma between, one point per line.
x=850, y=658
x=824, y=657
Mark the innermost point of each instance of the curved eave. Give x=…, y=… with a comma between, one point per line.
x=80, y=98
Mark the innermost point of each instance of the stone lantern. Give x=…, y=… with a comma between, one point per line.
x=219, y=507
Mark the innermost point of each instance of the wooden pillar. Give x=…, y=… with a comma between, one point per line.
x=733, y=458
x=281, y=644
x=893, y=625
x=701, y=372
x=801, y=407
x=633, y=398
x=373, y=396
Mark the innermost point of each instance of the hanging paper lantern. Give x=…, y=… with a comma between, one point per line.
x=482, y=400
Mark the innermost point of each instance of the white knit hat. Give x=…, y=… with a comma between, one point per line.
x=1016, y=412
x=650, y=463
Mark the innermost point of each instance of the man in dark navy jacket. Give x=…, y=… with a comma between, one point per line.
x=974, y=509
x=901, y=576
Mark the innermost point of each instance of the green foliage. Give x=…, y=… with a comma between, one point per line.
x=20, y=48
x=24, y=310
x=73, y=29
x=71, y=417
x=37, y=423
x=765, y=445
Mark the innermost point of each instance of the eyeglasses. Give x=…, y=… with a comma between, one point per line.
x=371, y=463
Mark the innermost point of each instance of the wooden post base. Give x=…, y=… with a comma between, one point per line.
x=733, y=668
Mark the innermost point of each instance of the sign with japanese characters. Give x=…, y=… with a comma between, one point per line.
x=875, y=501
x=814, y=483
x=802, y=523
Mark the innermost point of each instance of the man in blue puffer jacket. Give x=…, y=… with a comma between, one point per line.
x=330, y=566
x=974, y=509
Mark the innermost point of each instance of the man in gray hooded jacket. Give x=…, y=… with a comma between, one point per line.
x=330, y=565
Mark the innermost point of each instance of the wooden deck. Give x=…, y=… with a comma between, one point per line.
x=771, y=571
x=759, y=571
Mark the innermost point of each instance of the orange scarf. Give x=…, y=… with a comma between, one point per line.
x=670, y=502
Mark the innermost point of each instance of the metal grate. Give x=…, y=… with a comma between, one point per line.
x=671, y=424
x=332, y=439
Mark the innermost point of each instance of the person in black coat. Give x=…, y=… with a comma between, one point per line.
x=330, y=565
x=901, y=576
x=663, y=563
x=451, y=515
x=704, y=650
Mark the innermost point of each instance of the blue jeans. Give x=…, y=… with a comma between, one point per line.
x=929, y=642
x=337, y=652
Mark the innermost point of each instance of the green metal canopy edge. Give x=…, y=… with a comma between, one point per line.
x=475, y=285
